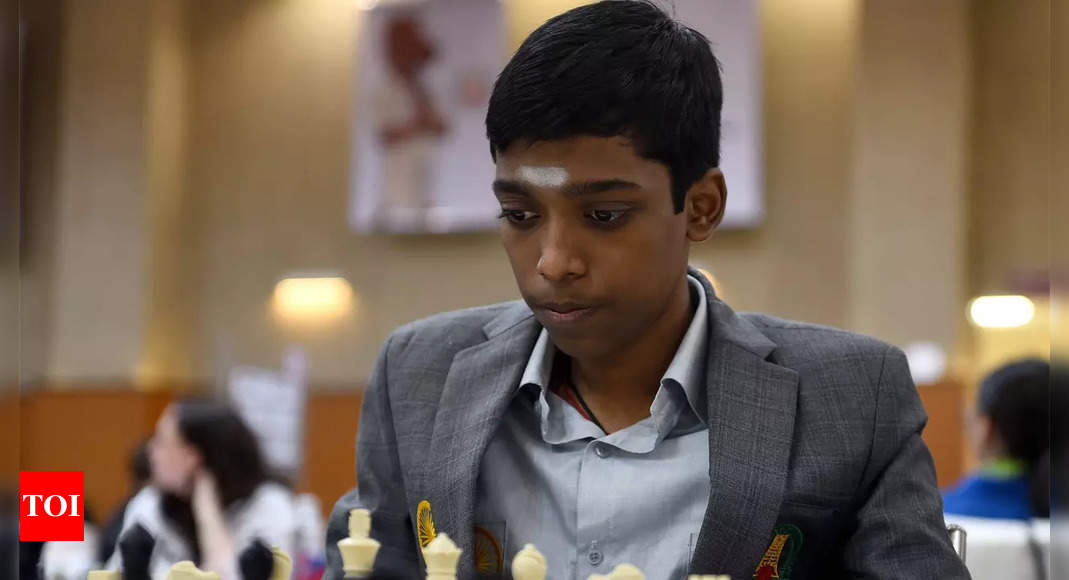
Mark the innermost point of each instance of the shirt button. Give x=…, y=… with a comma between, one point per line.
x=601, y=450
x=595, y=557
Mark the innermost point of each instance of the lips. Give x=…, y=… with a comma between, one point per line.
x=565, y=312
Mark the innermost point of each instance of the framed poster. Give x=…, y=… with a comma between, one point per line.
x=421, y=162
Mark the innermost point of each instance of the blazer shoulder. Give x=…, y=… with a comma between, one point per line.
x=444, y=334
x=806, y=346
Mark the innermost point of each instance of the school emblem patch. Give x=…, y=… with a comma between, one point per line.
x=424, y=524
x=487, y=553
x=781, y=554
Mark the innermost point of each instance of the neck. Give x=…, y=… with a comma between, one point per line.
x=620, y=387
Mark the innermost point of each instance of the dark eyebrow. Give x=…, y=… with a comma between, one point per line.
x=582, y=188
x=578, y=189
x=510, y=186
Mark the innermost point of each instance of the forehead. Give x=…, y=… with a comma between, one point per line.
x=580, y=159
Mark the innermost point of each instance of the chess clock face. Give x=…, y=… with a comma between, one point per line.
x=488, y=556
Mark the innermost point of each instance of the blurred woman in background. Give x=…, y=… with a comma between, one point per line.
x=1011, y=433
x=210, y=496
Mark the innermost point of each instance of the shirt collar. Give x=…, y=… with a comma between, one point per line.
x=686, y=369
x=540, y=364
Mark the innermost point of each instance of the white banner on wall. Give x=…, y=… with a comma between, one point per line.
x=421, y=162
x=272, y=402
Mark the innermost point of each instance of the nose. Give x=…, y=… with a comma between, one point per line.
x=560, y=258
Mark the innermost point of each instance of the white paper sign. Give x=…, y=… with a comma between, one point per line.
x=272, y=403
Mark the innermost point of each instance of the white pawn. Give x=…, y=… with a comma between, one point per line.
x=626, y=572
x=621, y=572
x=282, y=565
x=529, y=564
x=186, y=570
x=359, y=549
x=442, y=556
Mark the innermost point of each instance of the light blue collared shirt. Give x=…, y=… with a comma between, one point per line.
x=590, y=501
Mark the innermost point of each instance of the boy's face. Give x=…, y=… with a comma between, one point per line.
x=595, y=244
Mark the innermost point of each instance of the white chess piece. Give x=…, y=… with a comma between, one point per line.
x=186, y=570
x=358, y=550
x=626, y=572
x=282, y=564
x=442, y=556
x=621, y=572
x=529, y=564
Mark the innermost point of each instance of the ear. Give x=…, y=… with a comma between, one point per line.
x=705, y=204
x=988, y=440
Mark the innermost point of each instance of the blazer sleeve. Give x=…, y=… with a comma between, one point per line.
x=899, y=530
x=380, y=488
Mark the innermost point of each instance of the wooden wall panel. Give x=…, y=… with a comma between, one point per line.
x=94, y=430
x=88, y=430
x=9, y=437
x=945, y=433
x=330, y=445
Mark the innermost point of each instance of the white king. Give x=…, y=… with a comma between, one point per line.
x=359, y=549
x=442, y=556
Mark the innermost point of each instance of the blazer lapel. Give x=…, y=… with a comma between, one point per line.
x=478, y=388
x=751, y=422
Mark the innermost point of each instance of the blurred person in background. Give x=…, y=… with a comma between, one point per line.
x=210, y=495
x=1011, y=434
x=140, y=475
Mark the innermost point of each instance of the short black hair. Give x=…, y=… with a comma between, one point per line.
x=615, y=68
x=1016, y=398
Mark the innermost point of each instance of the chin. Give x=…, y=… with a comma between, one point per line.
x=586, y=346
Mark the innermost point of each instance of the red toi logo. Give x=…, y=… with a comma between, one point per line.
x=53, y=506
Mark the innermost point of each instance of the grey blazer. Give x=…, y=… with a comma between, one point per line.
x=809, y=427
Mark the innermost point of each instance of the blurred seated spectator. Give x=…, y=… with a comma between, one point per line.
x=210, y=496
x=140, y=474
x=69, y=560
x=1012, y=438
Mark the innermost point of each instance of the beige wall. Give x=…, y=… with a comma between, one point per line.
x=171, y=273
x=1011, y=165
x=97, y=280
x=241, y=177
x=907, y=242
x=9, y=203
x=1059, y=236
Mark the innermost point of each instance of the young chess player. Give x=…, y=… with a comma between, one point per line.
x=622, y=412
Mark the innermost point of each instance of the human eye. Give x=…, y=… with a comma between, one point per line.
x=605, y=217
x=517, y=217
